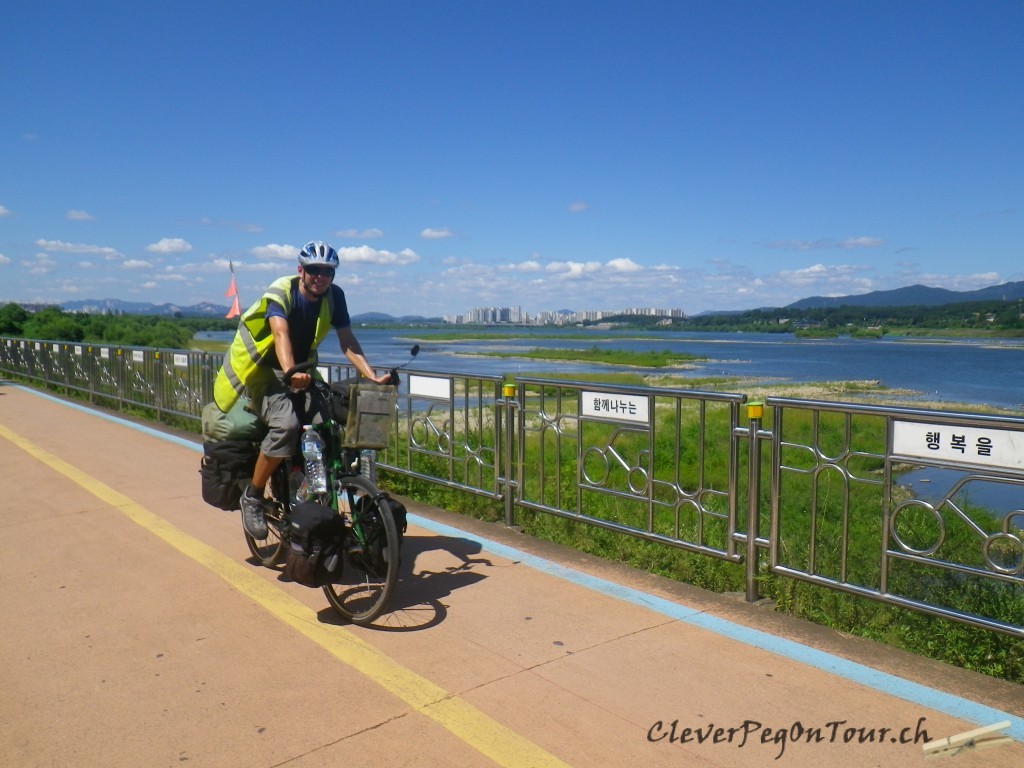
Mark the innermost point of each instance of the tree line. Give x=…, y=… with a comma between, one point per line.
x=1005, y=317
x=998, y=317
x=53, y=323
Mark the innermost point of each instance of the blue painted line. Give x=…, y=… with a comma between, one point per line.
x=940, y=701
x=116, y=419
x=892, y=685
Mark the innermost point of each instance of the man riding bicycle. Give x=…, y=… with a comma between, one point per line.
x=282, y=329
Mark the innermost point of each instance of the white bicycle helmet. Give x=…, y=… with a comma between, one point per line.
x=317, y=253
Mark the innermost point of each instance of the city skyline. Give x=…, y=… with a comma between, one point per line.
x=516, y=315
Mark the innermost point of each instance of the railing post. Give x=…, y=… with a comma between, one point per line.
x=509, y=483
x=755, y=412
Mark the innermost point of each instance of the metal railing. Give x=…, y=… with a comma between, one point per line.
x=836, y=468
x=806, y=490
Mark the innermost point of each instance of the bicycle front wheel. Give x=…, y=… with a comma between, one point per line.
x=360, y=593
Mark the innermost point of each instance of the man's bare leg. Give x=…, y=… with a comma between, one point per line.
x=265, y=466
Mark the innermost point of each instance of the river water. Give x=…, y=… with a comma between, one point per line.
x=980, y=372
x=954, y=371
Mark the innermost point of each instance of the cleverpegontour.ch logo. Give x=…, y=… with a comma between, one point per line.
x=754, y=734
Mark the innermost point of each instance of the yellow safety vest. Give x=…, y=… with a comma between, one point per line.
x=247, y=361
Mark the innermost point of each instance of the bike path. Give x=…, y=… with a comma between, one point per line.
x=135, y=633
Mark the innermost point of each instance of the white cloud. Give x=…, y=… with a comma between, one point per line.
x=578, y=207
x=820, y=272
x=5, y=212
x=4, y=261
x=275, y=251
x=826, y=244
x=136, y=264
x=571, y=270
x=624, y=265
x=362, y=234
x=42, y=264
x=60, y=246
x=170, y=245
x=436, y=234
x=862, y=242
x=530, y=265
x=364, y=254
x=74, y=215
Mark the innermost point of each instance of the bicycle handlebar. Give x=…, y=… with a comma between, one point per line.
x=302, y=367
x=392, y=378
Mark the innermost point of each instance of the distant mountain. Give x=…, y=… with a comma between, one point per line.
x=913, y=296
x=373, y=318
x=119, y=307
x=205, y=309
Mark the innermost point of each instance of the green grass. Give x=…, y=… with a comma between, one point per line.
x=818, y=507
x=625, y=357
x=530, y=334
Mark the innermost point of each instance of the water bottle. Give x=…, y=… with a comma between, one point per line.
x=296, y=486
x=368, y=464
x=313, y=452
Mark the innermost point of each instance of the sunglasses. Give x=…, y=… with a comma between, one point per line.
x=319, y=271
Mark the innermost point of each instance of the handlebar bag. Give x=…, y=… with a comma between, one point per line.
x=371, y=414
x=226, y=467
x=313, y=557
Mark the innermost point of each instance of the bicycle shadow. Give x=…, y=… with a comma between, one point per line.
x=418, y=600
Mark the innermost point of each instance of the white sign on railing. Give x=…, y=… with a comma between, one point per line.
x=181, y=361
x=434, y=387
x=612, y=407
x=138, y=356
x=972, y=445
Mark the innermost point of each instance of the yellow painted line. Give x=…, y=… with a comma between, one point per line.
x=500, y=744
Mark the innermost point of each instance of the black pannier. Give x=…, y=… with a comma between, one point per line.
x=374, y=558
x=400, y=515
x=314, y=554
x=226, y=467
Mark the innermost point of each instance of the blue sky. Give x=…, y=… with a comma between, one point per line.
x=705, y=155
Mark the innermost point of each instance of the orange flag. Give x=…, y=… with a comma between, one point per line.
x=235, y=310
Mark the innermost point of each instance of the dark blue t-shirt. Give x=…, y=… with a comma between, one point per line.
x=302, y=320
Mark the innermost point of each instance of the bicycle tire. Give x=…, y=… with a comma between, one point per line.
x=363, y=588
x=270, y=551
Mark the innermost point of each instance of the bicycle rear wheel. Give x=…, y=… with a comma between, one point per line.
x=270, y=551
x=369, y=572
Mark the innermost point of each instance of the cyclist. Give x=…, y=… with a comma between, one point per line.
x=282, y=329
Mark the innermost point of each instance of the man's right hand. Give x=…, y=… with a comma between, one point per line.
x=300, y=381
